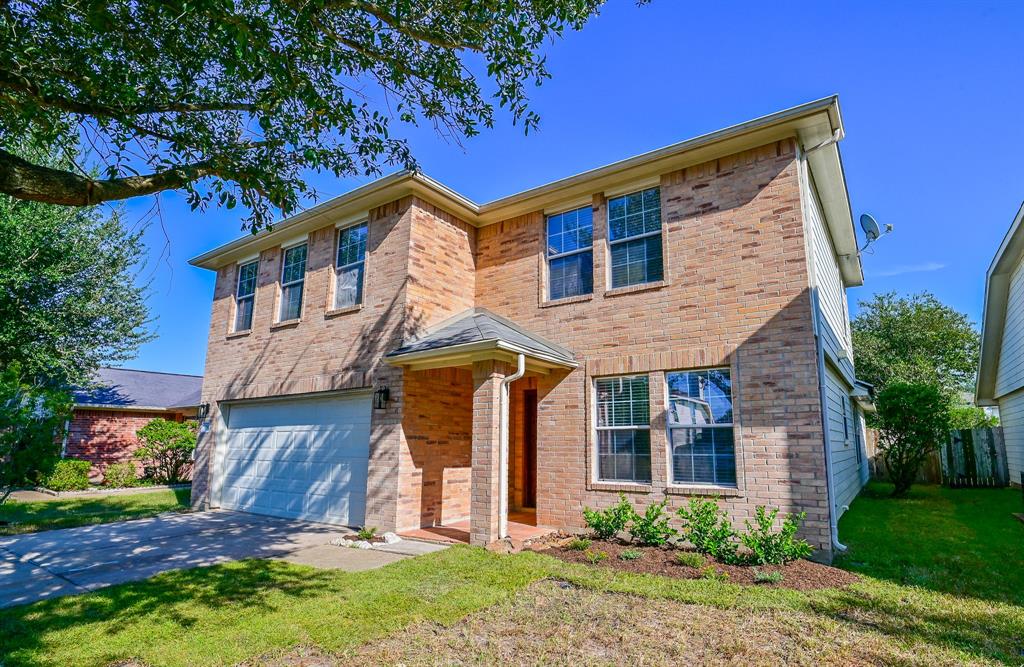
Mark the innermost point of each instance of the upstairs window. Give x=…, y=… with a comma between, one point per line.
x=245, y=295
x=634, y=238
x=623, y=429
x=571, y=253
x=293, y=276
x=350, y=266
x=700, y=427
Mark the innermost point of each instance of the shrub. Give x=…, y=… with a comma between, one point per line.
x=367, y=533
x=651, y=528
x=690, y=559
x=711, y=572
x=579, y=544
x=167, y=449
x=771, y=547
x=767, y=577
x=631, y=554
x=913, y=420
x=708, y=529
x=596, y=557
x=120, y=475
x=608, y=523
x=68, y=475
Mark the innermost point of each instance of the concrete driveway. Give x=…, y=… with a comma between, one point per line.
x=76, y=560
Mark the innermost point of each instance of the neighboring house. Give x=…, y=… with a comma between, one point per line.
x=671, y=325
x=1001, y=375
x=107, y=415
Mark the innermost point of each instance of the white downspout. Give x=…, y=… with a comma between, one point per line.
x=503, y=446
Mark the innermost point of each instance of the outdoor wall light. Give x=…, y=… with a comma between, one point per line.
x=203, y=412
x=381, y=398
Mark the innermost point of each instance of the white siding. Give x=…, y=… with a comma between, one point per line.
x=828, y=279
x=1010, y=376
x=843, y=440
x=1011, y=417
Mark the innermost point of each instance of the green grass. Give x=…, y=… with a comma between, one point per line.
x=30, y=517
x=235, y=612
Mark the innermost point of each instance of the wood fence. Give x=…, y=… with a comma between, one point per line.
x=969, y=458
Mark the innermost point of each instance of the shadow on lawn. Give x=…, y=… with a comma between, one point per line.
x=183, y=597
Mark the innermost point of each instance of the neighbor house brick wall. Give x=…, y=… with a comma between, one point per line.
x=103, y=437
x=735, y=294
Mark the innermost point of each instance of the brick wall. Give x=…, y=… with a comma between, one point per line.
x=103, y=437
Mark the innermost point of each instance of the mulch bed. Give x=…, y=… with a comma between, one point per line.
x=376, y=539
x=800, y=575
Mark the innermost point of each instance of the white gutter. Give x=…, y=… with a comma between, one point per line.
x=503, y=445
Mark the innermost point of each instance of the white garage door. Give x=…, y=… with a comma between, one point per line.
x=303, y=459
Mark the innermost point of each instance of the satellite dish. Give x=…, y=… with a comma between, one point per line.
x=871, y=229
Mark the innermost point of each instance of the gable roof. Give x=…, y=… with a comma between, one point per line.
x=997, y=291
x=813, y=123
x=128, y=389
x=478, y=331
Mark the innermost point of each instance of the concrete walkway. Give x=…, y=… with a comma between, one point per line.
x=75, y=560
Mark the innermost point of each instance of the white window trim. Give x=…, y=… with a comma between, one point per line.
x=300, y=281
x=339, y=268
x=569, y=253
x=637, y=237
x=596, y=467
x=249, y=297
x=668, y=433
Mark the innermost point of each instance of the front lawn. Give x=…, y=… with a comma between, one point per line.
x=29, y=517
x=468, y=605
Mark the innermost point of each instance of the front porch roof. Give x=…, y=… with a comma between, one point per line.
x=478, y=334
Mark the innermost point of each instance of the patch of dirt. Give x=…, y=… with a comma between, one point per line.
x=376, y=539
x=800, y=575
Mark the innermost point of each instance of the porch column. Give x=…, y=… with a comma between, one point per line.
x=484, y=505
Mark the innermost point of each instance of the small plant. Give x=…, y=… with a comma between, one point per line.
x=608, y=523
x=120, y=475
x=579, y=544
x=596, y=557
x=708, y=529
x=767, y=577
x=68, y=475
x=771, y=547
x=367, y=533
x=651, y=528
x=690, y=559
x=714, y=574
x=631, y=554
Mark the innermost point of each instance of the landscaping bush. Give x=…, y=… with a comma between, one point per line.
x=771, y=547
x=120, y=476
x=579, y=544
x=913, y=420
x=367, y=533
x=596, y=557
x=651, y=528
x=690, y=559
x=608, y=523
x=68, y=475
x=708, y=529
x=631, y=554
x=167, y=449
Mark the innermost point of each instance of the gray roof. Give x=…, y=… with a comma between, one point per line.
x=126, y=388
x=479, y=325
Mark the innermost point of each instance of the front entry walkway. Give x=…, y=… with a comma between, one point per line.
x=75, y=560
x=522, y=526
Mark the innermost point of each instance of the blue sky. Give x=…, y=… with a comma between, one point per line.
x=931, y=95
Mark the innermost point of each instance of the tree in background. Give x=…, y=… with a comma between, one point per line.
x=913, y=421
x=918, y=339
x=69, y=301
x=245, y=96
x=31, y=426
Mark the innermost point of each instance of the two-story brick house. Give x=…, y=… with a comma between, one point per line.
x=669, y=325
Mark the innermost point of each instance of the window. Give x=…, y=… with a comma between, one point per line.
x=846, y=421
x=245, y=294
x=293, y=275
x=571, y=253
x=634, y=237
x=856, y=432
x=700, y=427
x=351, y=262
x=623, y=429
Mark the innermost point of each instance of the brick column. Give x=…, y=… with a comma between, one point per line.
x=483, y=517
